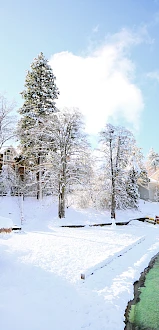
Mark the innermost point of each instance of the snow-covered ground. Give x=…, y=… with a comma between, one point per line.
x=6, y=223
x=40, y=267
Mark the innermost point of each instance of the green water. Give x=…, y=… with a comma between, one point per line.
x=145, y=313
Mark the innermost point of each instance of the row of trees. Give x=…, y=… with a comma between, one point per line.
x=58, y=159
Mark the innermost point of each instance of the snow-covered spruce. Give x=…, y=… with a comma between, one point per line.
x=152, y=161
x=39, y=98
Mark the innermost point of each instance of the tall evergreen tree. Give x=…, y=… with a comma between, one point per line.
x=39, y=98
x=133, y=173
x=132, y=189
x=152, y=161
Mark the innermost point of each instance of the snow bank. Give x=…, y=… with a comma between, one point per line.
x=5, y=223
x=10, y=207
x=44, y=214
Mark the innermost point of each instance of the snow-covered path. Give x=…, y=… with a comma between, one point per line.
x=40, y=285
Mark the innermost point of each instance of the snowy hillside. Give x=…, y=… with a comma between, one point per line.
x=41, y=266
x=44, y=213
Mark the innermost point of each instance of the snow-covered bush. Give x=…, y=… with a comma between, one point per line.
x=8, y=179
x=82, y=199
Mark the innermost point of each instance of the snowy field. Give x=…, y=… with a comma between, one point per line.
x=40, y=267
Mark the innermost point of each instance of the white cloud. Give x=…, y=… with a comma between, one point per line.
x=101, y=84
x=153, y=75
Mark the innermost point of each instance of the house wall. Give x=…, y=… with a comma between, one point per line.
x=144, y=193
x=152, y=190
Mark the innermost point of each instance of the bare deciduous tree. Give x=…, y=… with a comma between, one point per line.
x=117, y=143
x=7, y=120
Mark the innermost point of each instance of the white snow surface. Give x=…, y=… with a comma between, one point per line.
x=41, y=266
x=5, y=223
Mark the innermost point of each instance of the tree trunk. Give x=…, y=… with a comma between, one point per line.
x=113, y=197
x=61, y=206
x=114, y=175
x=62, y=186
x=38, y=178
x=113, y=200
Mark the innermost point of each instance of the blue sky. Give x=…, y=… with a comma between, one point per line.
x=104, y=55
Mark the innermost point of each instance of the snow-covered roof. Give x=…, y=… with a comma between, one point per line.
x=5, y=148
x=153, y=180
x=155, y=176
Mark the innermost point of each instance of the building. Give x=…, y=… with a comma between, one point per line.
x=9, y=162
x=151, y=190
